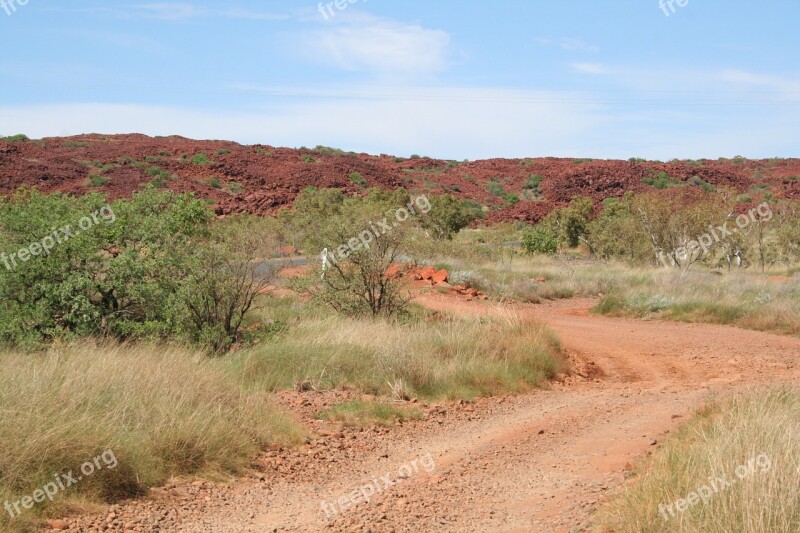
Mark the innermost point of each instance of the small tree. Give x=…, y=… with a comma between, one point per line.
x=539, y=240
x=447, y=216
x=224, y=277
x=361, y=252
x=569, y=224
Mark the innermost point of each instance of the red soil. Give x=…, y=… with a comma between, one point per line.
x=261, y=179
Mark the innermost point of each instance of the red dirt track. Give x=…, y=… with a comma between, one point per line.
x=271, y=178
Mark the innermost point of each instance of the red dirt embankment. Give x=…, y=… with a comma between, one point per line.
x=261, y=179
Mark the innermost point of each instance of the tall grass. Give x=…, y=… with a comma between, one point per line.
x=742, y=298
x=162, y=411
x=747, y=300
x=451, y=358
x=723, y=436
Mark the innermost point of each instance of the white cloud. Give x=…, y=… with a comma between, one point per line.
x=170, y=10
x=775, y=83
x=364, y=43
x=590, y=68
x=446, y=122
x=173, y=12
x=453, y=123
x=569, y=44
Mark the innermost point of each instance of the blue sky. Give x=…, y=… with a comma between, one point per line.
x=444, y=78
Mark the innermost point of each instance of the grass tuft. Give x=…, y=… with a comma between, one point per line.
x=760, y=432
x=163, y=412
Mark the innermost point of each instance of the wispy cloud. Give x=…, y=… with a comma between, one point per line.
x=385, y=47
x=590, y=68
x=169, y=11
x=775, y=83
x=175, y=12
x=568, y=43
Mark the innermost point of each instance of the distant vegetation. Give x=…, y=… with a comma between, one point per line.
x=16, y=138
x=357, y=179
x=200, y=159
x=96, y=180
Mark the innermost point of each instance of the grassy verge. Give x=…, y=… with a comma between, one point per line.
x=750, y=301
x=369, y=413
x=745, y=299
x=751, y=441
x=448, y=358
x=539, y=278
x=162, y=411
x=165, y=411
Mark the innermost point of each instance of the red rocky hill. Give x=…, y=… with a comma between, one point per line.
x=261, y=179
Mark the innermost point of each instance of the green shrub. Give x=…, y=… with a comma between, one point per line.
x=539, y=240
x=222, y=152
x=661, y=180
x=200, y=159
x=308, y=158
x=697, y=181
x=357, y=179
x=214, y=182
x=496, y=188
x=16, y=138
x=534, y=182
x=171, y=273
x=96, y=180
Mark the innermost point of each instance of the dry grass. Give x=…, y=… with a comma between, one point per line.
x=747, y=300
x=742, y=298
x=362, y=413
x=720, y=438
x=163, y=411
x=451, y=358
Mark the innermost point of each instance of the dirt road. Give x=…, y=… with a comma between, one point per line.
x=537, y=462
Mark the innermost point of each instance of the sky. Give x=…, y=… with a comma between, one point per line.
x=453, y=79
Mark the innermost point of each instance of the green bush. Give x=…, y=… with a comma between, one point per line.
x=200, y=159
x=539, y=240
x=357, y=179
x=214, y=182
x=141, y=271
x=697, y=181
x=533, y=183
x=96, y=180
x=496, y=188
x=16, y=138
x=447, y=216
x=661, y=180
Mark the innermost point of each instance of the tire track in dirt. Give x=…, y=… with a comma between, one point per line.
x=536, y=462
